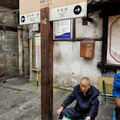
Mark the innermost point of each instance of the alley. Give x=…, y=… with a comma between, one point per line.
x=20, y=100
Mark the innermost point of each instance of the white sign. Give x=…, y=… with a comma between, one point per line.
x=77, y=10
x=30, y=18
x=37, y=39
x=62, y=29
x=37, y=51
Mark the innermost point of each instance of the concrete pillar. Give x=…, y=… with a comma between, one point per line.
x=21, y=52
x=31, y=34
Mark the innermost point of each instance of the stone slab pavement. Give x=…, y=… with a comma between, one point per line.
x=20, y=100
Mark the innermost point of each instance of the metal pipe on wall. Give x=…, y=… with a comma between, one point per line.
x=31, y=60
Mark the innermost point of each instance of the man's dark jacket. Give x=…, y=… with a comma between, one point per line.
x=87, y=105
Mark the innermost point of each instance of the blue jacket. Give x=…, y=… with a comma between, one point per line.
x=87, y=104
x=116, y=85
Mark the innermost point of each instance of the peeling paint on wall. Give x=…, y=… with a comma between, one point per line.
x=69, y=70
x=69, y=67
x=92, y=30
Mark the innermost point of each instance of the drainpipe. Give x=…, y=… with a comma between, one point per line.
x=31, y=60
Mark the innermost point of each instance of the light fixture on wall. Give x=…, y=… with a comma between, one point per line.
x=85, y=20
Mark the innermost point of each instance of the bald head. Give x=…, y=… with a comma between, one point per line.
x=85, y=84
x=85, y=79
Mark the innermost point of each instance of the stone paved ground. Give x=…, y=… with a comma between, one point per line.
x=20, y=100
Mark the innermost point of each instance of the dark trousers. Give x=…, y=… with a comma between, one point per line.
x=71, y=113
x=117, y=109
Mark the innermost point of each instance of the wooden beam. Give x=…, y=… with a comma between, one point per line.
x=104, y=42
x=46, y=66
x=8, y=28
x=9, y=6
x=106, y=4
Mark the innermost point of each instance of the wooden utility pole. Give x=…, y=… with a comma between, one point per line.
x=46, y=66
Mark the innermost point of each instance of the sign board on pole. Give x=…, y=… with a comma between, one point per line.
x=62, y=29
x=59, y=10
x=69, y=11
x=38, y=51
x=30, y=18
x=29, y=6
x=37, y=39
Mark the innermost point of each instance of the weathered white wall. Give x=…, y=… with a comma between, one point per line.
x=92, y=30
x=69, y=67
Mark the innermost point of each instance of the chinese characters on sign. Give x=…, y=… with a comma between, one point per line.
x=30, y=18
x=45, y=3
x=57, y=10
x=61, y=11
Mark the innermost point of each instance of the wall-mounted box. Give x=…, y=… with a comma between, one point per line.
x=87, y=48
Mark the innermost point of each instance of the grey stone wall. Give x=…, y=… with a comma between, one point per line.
x=26, y=50
x=9, y=53
x=8, y=44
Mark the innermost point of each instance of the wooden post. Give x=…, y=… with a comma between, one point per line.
x=46, y=66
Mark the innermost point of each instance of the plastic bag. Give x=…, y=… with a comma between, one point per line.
x=65, y=118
